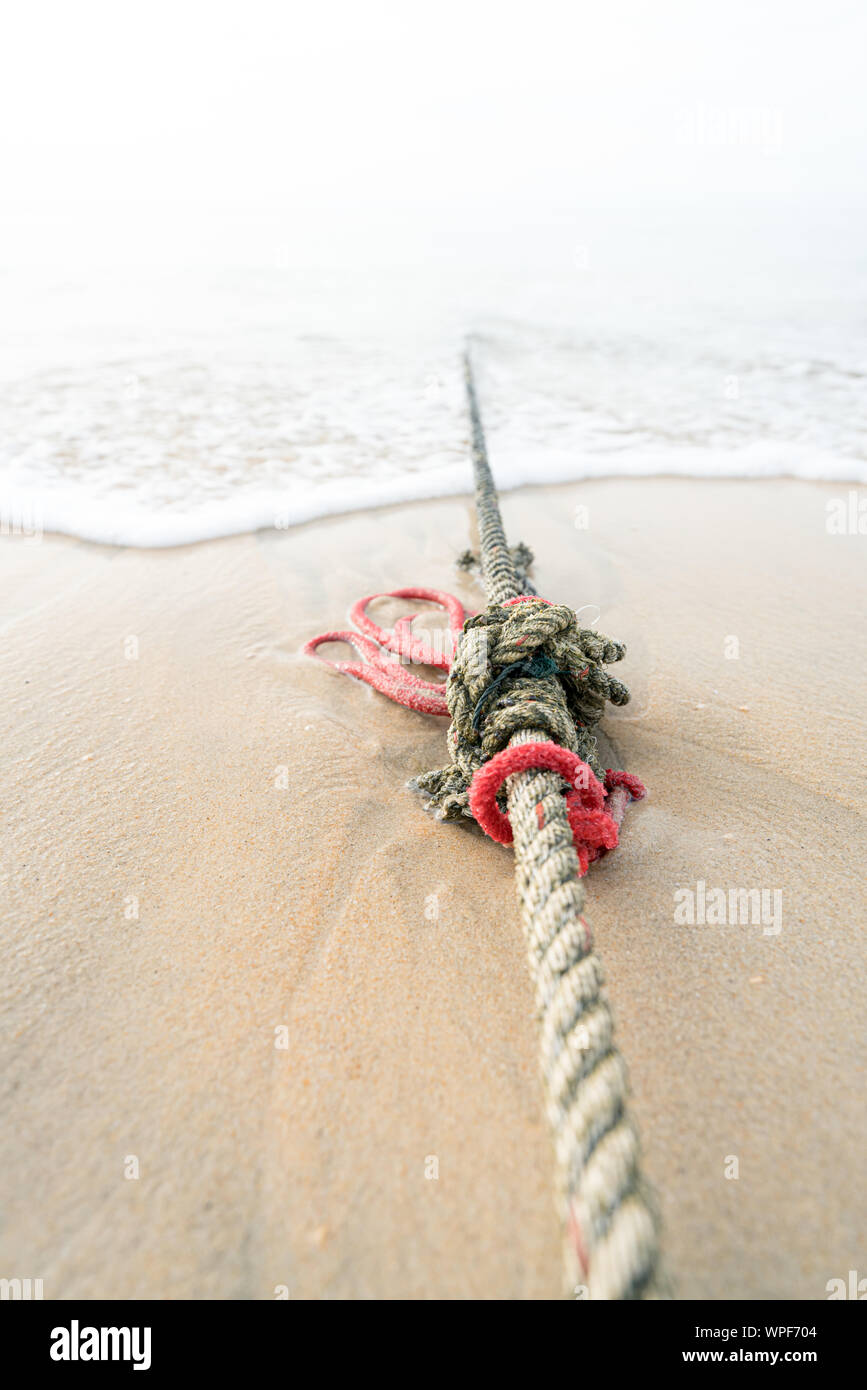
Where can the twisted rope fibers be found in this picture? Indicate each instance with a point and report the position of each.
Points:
(607, 1212)
(526, 687)
(611, 1247)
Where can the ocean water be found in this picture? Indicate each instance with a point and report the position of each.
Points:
(226, 385)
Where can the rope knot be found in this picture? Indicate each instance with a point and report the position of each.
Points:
(538, 666)
(525, 663)
(522, 664)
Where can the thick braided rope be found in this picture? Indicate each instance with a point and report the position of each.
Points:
(610, 1230)
(498, 566)
(520, 639)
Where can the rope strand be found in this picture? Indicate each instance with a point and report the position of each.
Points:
(610, 1228)
(498, 568)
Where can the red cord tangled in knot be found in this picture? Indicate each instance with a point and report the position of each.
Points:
(595, 812)
(384, 648)
(594, 817)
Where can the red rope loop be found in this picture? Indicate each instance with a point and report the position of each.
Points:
(633, 784)
(594, 829)
(401, 639)
(382, 649)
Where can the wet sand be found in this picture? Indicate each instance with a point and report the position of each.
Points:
(242, 962)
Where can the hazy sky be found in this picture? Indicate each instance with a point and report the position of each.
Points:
(376, 103)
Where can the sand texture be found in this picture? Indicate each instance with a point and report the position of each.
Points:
(208, 840)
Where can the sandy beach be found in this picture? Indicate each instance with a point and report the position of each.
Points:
(253, 990)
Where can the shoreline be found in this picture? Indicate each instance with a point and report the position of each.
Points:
(22, 514)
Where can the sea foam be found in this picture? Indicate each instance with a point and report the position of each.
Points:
(251, 403)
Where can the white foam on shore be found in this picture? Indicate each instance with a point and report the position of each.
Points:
(182, 407)
(29, 512)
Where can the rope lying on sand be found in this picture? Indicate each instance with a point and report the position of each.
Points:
(525, 688)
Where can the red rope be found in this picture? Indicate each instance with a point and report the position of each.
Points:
(595, 829)
(401, 639)
(386, 673)
(526, 598)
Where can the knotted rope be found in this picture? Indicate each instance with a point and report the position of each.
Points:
(470, 787)
(525, 689)
(550, 675)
